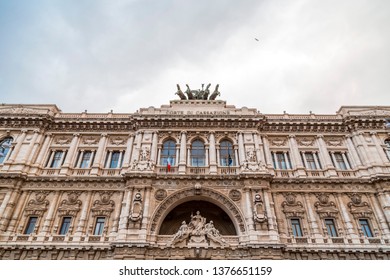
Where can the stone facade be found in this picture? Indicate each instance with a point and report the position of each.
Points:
(196, 179)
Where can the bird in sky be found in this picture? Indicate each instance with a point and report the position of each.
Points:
(257, 39)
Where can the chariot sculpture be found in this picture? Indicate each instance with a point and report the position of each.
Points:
(200, 94)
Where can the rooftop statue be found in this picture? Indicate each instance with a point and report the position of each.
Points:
(200, 94)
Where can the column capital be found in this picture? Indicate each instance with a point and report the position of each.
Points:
(76, 134)
(183, 132)
(24, 130)
(320, 136)
(291, 136)
(373, 133)
(104, 134)
(37, 130)
(131, 134)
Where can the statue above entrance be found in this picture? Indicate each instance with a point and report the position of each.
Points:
(198, 232)
(200, 94)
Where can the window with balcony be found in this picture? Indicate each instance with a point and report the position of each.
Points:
(311, 160)
(226, 154)
(387, 148)
(168, 153)
(85, 159)
(114, 159)
(30, 225)
(296, 228)
(365, 226)
(5, 146)
(99, 226)
(331, 228)
(56, 159)
(65, 225)
(281, 160)
(340, 160)
(198, 154)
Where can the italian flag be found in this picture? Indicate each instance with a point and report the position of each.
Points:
(169, 164)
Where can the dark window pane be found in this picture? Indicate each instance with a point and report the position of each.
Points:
(5, 147)
(30, 225)
(168, 153)
(296, 227)
(330, 227)
(56, 159)
(65, 225)
(226, 154)
(99, 226)
(197, 153)
(86, 159)
(365, 227)
(115, 159)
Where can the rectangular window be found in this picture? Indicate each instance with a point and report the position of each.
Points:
(331, 228)
(56, 161)
(30, 225)
(281, 160)
(86, 159)
(365, 227)
(99, 226)
(311, 164)
(114, 163)
(65, 225)
(296, 228)
(340, 160)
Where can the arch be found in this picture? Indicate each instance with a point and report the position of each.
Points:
(198, 153)
(226, 153)
(168, 152)
(196, 194)
(5, 146)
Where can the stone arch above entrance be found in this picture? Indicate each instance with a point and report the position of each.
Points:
(196, 194)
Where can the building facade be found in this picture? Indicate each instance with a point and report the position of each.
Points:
(195, 179)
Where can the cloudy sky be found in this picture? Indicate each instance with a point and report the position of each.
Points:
(126, 54)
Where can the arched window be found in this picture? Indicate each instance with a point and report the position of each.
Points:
(5, 146)
(226, 154)
(387, 148)
(197, 153)
(168, 153)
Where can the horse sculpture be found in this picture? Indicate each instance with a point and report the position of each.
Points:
(215, 93)
(206, 92)
(180, 93)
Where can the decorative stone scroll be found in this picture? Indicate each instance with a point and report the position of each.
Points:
(358, 208)
(70, 206)
(291, 207)
(104, 206)
(259, 214)
(324, 207)
(37, 206)
(198, 233)
(136, 208)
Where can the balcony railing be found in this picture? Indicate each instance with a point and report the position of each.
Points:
(284, 173)
(50, 171)
(346, 173)
(81, 171)
(111, 172)
(198, 170)
(228, 170)
(164, 170)
(315, 173)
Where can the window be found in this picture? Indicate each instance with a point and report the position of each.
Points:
(99, 226)
(331, 228)
(365, 227)
(30, 225)
(114, 159)
(168, 153)
(387, 148)
(281, 160)
(340, 160)
(85, 159)
(311, 160)
(65, 225)
(5, 146)
(197, 153)
(226, 153)
(56, 159)
(296, 228)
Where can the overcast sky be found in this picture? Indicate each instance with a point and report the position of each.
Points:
(127, 54)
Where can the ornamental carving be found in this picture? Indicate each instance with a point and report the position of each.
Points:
(324, 207)
(235, 195)
(250, 163)
(62, 140)
(104, 206)
(71, 205)
(144, 163)
(90, 140)
(358, 208)
(334, 141)
(160, 194)
(291, 207)
(306, 141)
(117, 141)
(206, 192)
(39, 205)
(136, 208)
(259, 214)
(278, 142)
(198, 233)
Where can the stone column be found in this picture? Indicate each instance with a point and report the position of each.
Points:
(153, 152)
(384, 199)
(241, 149)
(97, 163)
(380, 215)
(44, 150)
(350, 233)
(19, 143)
(84, 214)
(353, 152)
(18, 204)
(145, 213)
(382, 158)
(259, 155)
(182, 158)
(295, 156)
(116, 217)
(32, 147)
(71, 154)
(267, 152)
(365, 148)
(249, 209)
(49, 218)
(129, 147)
(138, 143)
(270, 215)
(212, 153)
(5, 203)
(311, 218)
(345, 160)
(327, 162)
(125, 211)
